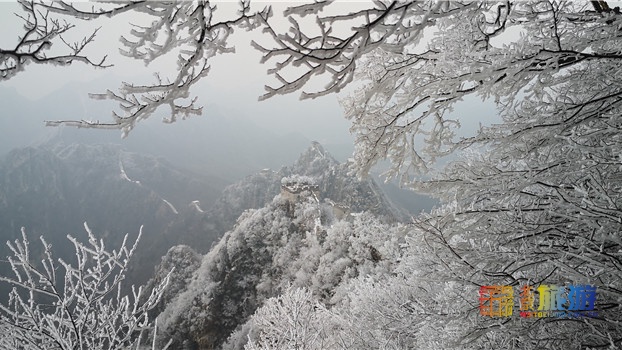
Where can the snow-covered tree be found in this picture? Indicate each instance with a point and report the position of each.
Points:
(293, 320)
(55, 304)
(416, 60)
(542, 207)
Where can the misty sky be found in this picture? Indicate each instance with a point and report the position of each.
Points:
(231, 90)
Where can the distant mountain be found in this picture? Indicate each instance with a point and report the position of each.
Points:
(52, 190)
(223, 146)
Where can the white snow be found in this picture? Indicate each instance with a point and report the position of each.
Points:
(196, 205)
(170, 206)
(124, 174)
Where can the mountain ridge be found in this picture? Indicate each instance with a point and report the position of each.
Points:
(270, 246)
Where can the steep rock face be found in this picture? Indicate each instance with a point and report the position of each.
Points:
(252, 192)
(336, 183)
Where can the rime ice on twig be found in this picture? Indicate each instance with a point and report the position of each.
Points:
(57, 304)
(186, 29)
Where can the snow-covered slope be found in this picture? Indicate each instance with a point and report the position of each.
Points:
(301, 239)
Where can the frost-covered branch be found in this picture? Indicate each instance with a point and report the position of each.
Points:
(293, 321)
(42, 30)
(385, 26)
(188, 29)
(55, 304)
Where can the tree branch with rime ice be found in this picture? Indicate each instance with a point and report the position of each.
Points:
(187, 29)
(59, 305)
